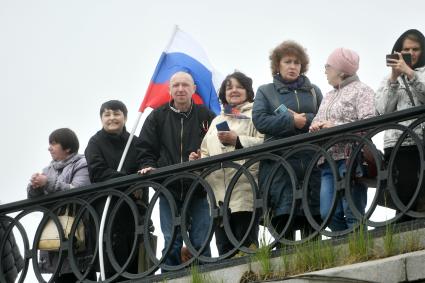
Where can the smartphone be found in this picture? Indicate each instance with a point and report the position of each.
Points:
(281, 109)
(223, 126)
(407, 57)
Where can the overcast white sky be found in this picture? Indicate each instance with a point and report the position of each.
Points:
(59, 60)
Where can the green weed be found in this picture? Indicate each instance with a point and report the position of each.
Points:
(360, 244)
(391, 241)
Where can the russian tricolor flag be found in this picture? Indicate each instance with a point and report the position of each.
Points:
(183, 53)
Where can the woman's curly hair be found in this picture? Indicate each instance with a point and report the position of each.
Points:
(288, 47)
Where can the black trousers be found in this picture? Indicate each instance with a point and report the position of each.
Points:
(298, 223)
(239, 222)
(405, 173)
(121, 237)
(71, 278)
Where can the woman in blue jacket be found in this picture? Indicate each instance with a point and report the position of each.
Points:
(285, 108)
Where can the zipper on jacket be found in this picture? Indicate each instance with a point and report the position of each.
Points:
(181, 140)
(298, 101)
(327, 110)
(181, 154)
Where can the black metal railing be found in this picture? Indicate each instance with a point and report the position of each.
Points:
(195, 174)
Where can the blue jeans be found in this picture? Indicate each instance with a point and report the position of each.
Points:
(343, 217)
(198, 228)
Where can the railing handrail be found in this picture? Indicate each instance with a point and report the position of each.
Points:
(398, 116)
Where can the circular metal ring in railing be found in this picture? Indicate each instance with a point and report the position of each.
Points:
(9, 233)
(319, 153)
(145, 185)
(161, 190)
(279, 162)
(361, 143)
(221, 211)
(239, 170)
(257, 204)
(196, 253)
(120, 270)
(49, 213)
(403, 209)
(84, 205)
(342, 186)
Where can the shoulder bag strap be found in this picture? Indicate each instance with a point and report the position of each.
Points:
(313, 92)
(271, 97)
(409, 92)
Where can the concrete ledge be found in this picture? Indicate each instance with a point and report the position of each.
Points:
(401, 268)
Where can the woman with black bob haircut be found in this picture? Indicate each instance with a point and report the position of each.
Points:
(231, 130)
(282, 109)
(66, 171)
(113, 105)
(103, 153)
(66, 138)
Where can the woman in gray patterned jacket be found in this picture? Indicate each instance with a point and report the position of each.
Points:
(404, 88)
(349, 101)
(67, 170)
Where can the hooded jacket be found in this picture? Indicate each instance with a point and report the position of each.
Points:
(391, 97)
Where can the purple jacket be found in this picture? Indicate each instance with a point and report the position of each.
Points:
(63, 175)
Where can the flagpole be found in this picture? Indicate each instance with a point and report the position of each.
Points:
(108, 200)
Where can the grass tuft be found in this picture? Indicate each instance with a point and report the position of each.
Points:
(391, 241)
(198, 277)
(412, 242)
(360, 245)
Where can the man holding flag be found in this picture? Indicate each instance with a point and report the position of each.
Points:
(169, 134)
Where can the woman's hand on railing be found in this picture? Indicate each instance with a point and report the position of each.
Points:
(318, 125)
(195, 155)
(145, 170)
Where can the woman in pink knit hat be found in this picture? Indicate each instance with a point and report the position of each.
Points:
(349, 101)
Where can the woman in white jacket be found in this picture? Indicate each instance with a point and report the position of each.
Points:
(236, 95)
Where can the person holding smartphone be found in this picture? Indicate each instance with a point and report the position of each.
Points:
(403, 88)
(282, 109)
(231, 130)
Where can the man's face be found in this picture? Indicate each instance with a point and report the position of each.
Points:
(412, 47)
(182, 88)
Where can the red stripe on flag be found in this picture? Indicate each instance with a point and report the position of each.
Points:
(156, 95)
